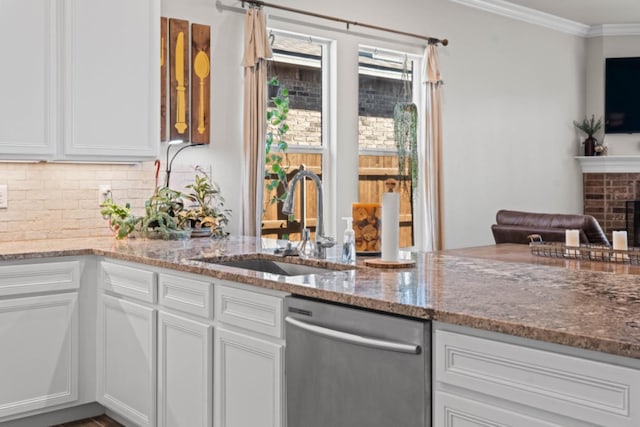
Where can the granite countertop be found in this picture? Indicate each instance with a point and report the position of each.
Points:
(500, 288)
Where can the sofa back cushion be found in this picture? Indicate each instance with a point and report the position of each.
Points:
(515, 226)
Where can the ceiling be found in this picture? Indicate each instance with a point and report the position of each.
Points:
(589, 12)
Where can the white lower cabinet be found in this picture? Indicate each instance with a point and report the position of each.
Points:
(127, 359)
(39, 356)
(489, 379)
(249, 380)
(185, 367)
(39, 337)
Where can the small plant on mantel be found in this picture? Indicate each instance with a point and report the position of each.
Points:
(590, 127)
(276, 163)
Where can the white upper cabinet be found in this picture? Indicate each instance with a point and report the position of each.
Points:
(28, 99)
(80, 80)
(112, 72)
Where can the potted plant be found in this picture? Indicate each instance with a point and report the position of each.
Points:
(162, 211)
(207, 215)
(120, 218)
(590, 127)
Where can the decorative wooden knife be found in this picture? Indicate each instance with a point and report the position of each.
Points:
(181, 106)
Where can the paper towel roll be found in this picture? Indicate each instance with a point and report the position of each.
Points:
(390, 226)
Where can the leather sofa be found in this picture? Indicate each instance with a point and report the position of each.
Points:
(515, 226)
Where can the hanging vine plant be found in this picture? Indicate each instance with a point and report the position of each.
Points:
(277, 162)
(405, 118)
(405, 123)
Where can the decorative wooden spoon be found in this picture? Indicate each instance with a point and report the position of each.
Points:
(201, 65)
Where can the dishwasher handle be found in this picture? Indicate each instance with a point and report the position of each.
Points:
(355, 339)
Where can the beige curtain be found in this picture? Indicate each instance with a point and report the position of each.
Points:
(257, 48)
(431, 209)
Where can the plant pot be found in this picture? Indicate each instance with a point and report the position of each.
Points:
(201, 232)
(589, 146)
(273, 92)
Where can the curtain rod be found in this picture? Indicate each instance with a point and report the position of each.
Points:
(430, 40)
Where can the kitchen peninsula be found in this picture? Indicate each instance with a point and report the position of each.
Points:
(563, 304)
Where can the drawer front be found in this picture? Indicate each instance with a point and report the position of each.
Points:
(250, 310)
(583, 389)
(185, 294)
(129, 281)
(454, 411)
(41, 277)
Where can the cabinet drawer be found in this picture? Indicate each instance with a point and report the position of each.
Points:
(185, 294)
(250, 310)
(44, 277)
(583, 389)
(453, 411)
(129, 281)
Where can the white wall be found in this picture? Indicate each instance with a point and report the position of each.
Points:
(511, 93)
(600, 48)
(224, 154)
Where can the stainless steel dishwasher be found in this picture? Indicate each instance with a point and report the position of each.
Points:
(348, 367)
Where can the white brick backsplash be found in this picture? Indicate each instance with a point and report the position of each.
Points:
(53, 200)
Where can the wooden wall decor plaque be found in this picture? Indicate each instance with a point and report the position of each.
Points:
(164, 59)
(200, 83)
(179, 79)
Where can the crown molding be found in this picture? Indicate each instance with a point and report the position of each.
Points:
(608, 30)
(531, 16)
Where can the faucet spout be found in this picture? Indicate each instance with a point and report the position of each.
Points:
(322, 241)
(288, 204)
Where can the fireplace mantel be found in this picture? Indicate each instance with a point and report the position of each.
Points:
(609, 164)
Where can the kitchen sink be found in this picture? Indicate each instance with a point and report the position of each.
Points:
(272, 266)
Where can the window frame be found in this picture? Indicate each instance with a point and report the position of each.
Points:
(327, 116)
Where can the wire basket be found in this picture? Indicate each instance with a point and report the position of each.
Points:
(585, 252)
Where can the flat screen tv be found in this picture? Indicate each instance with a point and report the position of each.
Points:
(622, 95)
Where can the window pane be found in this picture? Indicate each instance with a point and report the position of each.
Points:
(297, 65)
(384, 81)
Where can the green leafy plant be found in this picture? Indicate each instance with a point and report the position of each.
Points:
(208, 206)
(120, 218)
(589, 126)
(161, 211)
(276, 162)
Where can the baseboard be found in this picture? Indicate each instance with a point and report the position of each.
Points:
(60, 416)
(119, 418)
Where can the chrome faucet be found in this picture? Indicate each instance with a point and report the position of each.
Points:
(322, 242)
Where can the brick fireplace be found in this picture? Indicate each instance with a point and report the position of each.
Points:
(605, 197)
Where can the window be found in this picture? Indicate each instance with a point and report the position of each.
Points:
(299, 66)
(385, 78)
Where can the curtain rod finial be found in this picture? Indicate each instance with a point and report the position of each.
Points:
(433, 40)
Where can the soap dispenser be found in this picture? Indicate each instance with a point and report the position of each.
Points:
(349, 243)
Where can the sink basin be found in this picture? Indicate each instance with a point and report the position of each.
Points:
(265, 265)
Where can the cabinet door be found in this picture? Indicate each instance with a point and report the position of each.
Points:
(248, 381)
(29, 79)
(454, 411)
(185, 374)
(39, 352)
(127, 359)
(112, 67)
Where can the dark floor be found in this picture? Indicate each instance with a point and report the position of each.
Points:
(101, 421)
